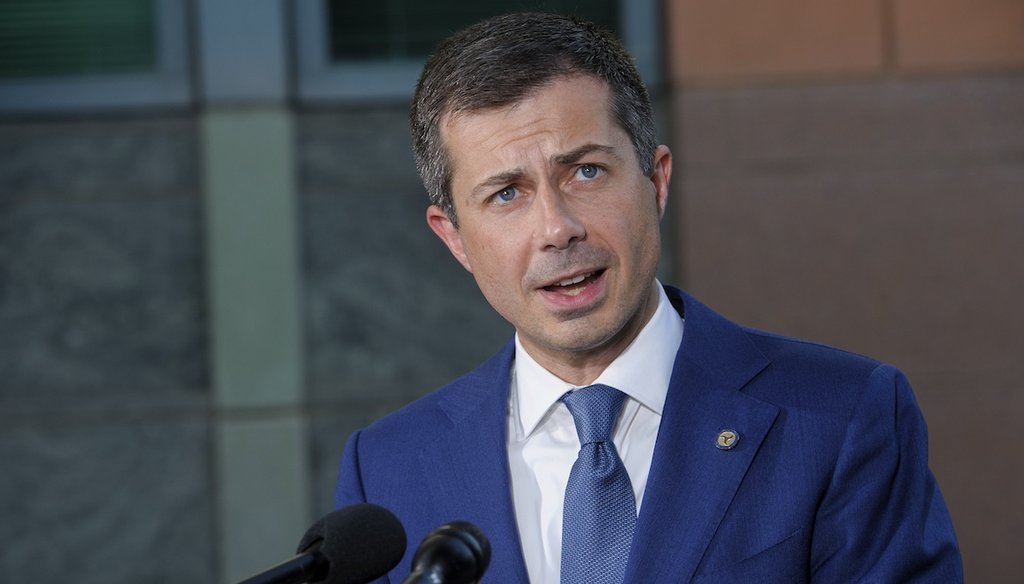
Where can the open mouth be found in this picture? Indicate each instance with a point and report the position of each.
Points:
(575, 285)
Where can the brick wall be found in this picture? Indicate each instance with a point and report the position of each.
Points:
(853, 172)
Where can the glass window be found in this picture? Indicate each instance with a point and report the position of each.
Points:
(351, 50)
(45, 38)
(402, 29)
(86, 54)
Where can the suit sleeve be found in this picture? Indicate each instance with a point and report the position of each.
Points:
(883, 518)
(349, 489)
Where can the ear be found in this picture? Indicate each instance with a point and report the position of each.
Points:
(661, 173)
(443, 227)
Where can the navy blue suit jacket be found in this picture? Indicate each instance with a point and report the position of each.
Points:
(828, 483)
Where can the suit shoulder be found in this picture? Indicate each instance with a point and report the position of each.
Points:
(785, 349)
(817, 376)
(419, 419)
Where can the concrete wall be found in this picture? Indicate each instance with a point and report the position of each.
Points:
(104, 425)
(853, 172)
(388, 313)
(123, 460)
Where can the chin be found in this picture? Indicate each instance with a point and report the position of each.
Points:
(587, 337)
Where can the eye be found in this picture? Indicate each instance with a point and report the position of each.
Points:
(588, 171)
(506, 194)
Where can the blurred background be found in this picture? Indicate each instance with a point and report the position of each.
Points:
(214, 263)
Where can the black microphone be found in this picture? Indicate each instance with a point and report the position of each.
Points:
(455, 553)
(353, 545)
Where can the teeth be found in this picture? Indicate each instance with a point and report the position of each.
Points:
(576, 280)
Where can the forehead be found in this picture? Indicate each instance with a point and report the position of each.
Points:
(565, 109)
(583, 85)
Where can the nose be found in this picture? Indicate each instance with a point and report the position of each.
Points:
(560, 226)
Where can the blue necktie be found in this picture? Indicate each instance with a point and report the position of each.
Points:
(600, 510)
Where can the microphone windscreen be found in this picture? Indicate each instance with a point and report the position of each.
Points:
(474, 540)
(455, 553)
(361, 542)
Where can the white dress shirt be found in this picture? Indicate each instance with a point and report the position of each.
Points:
(542, 441)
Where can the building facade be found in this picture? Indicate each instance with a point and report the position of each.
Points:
(214, 263)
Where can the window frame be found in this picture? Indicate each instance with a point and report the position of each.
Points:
(168, 85)
(319, 80)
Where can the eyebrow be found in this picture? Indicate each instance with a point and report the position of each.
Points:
(567, 158)
(497, 180)
(574, 156)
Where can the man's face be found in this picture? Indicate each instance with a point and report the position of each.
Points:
(557, 222)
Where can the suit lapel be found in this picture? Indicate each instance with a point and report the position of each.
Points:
(692, 482)
(467, 473)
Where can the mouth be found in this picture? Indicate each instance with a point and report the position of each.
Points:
(575, 285)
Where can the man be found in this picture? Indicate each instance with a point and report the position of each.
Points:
(732, 455)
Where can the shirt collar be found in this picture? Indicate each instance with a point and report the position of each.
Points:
(652, 352)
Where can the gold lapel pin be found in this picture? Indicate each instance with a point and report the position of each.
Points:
(727, 439)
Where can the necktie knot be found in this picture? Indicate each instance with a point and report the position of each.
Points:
(594, 410)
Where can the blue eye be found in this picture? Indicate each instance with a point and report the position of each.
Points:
(588, 171)
(506, 194)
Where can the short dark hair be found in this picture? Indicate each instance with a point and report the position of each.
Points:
(501, 61)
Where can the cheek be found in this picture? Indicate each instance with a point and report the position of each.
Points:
(638, 229)
(647, 212)
(494, 260)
